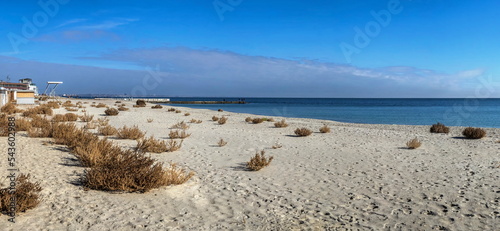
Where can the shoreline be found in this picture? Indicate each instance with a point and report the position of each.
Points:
(359, 176)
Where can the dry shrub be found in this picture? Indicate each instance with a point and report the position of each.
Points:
(103, 121)
(151, 145)
(173, 145)
(222, 120)
(132, 172)
(474, 133)
(281, 124)
(180, 125)
(53, 104)
(199, 121)
(259, 161)
(277, 145)
(71, 109)
(86, 117)
(107, 130)
(23, 124)
(178, 135)
(27, 195)
(220, 110)
(187, 114)
(111, 112)
(132, 133)
(413, 144)
(195, 121)
(248, 119)
(135, 105)
(140, 103)
(215, 118)
(90, 125)
(118, 102)
(100, 105)
(71, 117)
(157, 106)
(42, 131)
(39, 122)
(10, 108)
(172, 109)
(150, 120)
(66, 134)
(122, 108)
(96, 152)
(325, 129)
(270, 120)
(303, 132)
(222, 143)
(178, 111)
(39, 110)
(68, 104)
(258, 120)
(58, 118)
(439, 128)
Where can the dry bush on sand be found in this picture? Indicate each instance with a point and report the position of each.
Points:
(187, 114)
(22, 124)
(325, 129)
(178, 135)
(474, 133)
(281, 124)
(111, 112)
(140, 103)
(413, 144)
(157, 106)
(258, 120)
(26, 196)
(303, 132)
(172, 109)
(71, 117)
(277, 145)
(222, 143)
(259, 161)
(220, 110)
(71, 109)
(132, 133)
(151, 145)
(100, 105)
(178, 111)
(222, 120)
(90, 125)
(68, 104)
(150, 120)
(103, 121)
(53, 104)
(122, 108)
(215, 118)
(86, 117)
(439, 128)
(58, 118)
(10, 108)
(39, 110)
(107, 130)
(132, 172)
(180, 125)
(248, 119)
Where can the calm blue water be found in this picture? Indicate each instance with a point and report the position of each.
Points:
(451, 112)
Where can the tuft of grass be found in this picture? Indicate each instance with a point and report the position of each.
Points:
(157, 106)
(222, 143)
(474, 133)
(27, 195)
(132, 133)
(86, 117)
(90, 125)
(215, 118)
(122, 108)
(303, 132)
(71, 117)
(178, 111)
(248, 119)
(172, 109)
(259, 161)
(173, 145)
(151, 145)
(53, 104)
(187, 114)
(220, 110)
(258, 120)
(175, 134)
(222, 120)
(39, 110)
(413, 144)
(23, 124)
(180, 125)
(10, 108)
(111, 112)
(58, 118)
(140, 103)
(68, 104)
(107, 130)
(277, 145)
(71, 109)
(281, 124)
(325, 129)
(150, 120)
(439, 128)
(118, 101)
(100, 105)
(195, 121)
(103, 121)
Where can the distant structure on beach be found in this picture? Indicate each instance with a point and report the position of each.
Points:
(23, 92)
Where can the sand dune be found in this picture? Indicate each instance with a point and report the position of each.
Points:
(358, 176)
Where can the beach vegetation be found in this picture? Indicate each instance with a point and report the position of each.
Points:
(150, 120)
(325, 129)
(222, 143)
(259, 161)
(222, 120)
(215, 118)
(111, 112)
(122, 108)
(180, 125)
(132, 133)
(10, 108)
(157, 106)
(86, 117)
(281, 124)
(303, 132)
(107, 130)
(71, 117)
(439, 128)
(26, 195)
(140, 103)
(175, 134)
(413, 144)
(100, 105)
(474, 133)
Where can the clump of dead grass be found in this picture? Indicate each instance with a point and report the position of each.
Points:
(132, 133)
(281, 124)
(111, 112)
(439, 128)
(107, 130)
(140, 103)
(180, 125)
(325, 129)
(222, 120)
(100, 105)
(86, 117)
(215, 118)
(175, 134)
(122, 108)
(157, 106)
(150, 120)
(27, 195)
(303, 132)
(10, 108)
(413, 144)
(259, 161)
(222, 143)
(474, 133)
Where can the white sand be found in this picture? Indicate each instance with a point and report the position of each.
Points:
(357, 177)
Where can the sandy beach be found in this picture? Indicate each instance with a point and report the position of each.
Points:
(358, 177)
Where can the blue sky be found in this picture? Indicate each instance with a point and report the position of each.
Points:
(243, 48)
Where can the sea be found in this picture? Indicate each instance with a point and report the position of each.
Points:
(474, 112)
